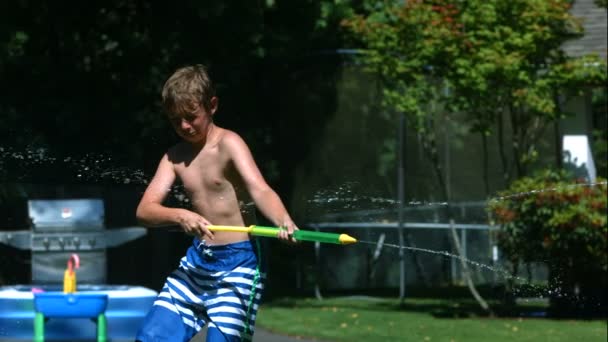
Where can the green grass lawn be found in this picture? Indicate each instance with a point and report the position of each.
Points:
(374, 319)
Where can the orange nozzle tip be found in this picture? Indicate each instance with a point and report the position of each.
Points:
(73, 262)
(346, 239)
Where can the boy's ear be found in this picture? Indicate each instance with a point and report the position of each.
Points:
(214, 103)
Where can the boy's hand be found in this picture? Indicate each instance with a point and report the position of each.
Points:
(194, 224)
(286, 231)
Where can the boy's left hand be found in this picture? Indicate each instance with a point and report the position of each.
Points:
(286, 232)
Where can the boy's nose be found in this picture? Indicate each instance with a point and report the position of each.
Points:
(184, 124)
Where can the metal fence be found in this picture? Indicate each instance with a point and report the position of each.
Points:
(430, 256)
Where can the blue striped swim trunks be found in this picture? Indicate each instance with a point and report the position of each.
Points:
(216, 285)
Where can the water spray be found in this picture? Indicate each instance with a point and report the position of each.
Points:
(299, 235)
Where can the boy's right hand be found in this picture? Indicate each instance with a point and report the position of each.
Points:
(194, 224)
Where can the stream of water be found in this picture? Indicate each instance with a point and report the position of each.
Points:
(501, 271)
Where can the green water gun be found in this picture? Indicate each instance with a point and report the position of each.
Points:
(299, 235)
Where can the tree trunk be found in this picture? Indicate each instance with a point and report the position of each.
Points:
(433, 155)
(486, 178)
(466, 274)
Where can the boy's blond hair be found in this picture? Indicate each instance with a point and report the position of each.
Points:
(188, 88)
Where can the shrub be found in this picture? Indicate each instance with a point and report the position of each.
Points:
(553, 218)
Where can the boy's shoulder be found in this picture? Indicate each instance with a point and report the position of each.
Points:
(178, 153)
(231, 138)
(232, 143)
(178, 148)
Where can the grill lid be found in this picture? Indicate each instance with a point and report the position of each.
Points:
(66, 214)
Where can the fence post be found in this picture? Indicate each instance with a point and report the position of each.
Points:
(401, 195)
(318, 268)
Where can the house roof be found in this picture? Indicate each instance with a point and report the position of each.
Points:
(595, 25)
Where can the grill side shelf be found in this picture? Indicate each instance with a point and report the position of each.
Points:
(17, 239)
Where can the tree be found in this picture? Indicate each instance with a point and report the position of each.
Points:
(498, 62)
(501, 63)
(69, 67)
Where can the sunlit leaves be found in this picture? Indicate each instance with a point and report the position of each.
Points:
(500, 58)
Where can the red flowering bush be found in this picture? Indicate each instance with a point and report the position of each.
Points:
(555, 219)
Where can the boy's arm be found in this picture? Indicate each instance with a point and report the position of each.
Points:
(265, 198)
(152, 213)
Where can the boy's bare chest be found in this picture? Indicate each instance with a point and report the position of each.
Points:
(207, 171)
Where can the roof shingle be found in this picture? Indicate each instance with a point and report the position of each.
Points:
(595, 24)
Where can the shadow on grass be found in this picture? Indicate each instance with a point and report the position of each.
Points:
(452, 302)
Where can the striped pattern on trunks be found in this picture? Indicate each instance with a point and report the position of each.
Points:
(213, 284)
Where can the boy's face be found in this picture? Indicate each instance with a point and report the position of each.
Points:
(193, 125)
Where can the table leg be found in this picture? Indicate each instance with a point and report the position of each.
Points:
(101, 328)
(39, 327)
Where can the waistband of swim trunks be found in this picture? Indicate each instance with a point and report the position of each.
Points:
(246, 244)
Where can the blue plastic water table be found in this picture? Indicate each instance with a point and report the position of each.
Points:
(70, 305)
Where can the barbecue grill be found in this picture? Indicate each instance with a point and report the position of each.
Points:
(62, 227)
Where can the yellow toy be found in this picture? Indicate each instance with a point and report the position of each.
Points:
(69, 276)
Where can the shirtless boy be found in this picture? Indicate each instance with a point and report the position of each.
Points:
(218, 282)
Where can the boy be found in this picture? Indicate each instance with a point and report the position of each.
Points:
(218, 281)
